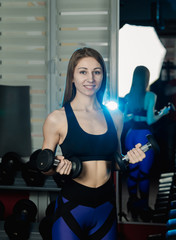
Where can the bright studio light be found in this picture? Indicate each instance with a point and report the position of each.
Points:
(138, 45)
(111, 105)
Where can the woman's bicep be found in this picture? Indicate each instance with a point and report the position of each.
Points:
(151, 102)
(119, 121)
(50, 134)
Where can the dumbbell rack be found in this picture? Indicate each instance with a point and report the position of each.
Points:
(19, 184)
(164, 197)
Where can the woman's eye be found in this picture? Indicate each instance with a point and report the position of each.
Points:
(97, 72)
(83, 72)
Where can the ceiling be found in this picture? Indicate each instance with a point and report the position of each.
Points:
(160, 14)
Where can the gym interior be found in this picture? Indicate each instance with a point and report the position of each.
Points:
(37, 37)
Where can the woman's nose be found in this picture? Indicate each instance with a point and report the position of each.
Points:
(91, 77)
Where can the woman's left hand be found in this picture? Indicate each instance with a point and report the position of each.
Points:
(136, 154)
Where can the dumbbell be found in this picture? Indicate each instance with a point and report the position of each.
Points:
(31, 175)
(123, 161)
(46, 160)
(170, 107)
(9, 165)
(45, 225)
(18, 225)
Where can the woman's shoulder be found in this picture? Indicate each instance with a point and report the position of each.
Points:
(150, 93)
(56, 117)
(150, 96)
(117, 117)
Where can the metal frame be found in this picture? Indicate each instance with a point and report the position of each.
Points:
(52, 91)
(114, 30)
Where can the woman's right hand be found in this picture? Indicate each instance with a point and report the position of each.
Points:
(64, 167)
(165, 111)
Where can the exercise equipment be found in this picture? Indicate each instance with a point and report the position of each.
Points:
(165, 195)
(123, 161)
(18, 225)
(45, 225)
(31, 175)
(9, 165)
(46, 160)
(170, 107)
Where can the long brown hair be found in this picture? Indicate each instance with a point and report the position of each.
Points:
(70, 90)
(137, 92)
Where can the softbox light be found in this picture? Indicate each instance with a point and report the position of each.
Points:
(138, 45)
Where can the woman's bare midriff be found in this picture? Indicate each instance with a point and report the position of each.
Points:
(94, 173)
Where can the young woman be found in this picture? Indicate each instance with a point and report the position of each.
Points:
(141, 109)
(85, 208)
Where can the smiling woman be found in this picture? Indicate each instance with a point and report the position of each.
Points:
(70, 89)
(88, 76)
(84, 128)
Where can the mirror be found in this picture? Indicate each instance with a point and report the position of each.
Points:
(161, 15)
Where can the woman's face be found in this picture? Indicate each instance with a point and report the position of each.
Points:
(88, 76)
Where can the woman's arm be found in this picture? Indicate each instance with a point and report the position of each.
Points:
(150, 102)
(135, 154)
(51, 136)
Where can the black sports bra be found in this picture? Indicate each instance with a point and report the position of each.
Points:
(87, 146)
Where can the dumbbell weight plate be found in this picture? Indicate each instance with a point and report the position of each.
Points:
(76, 167)
(31, 175)
(7, 176)
(26, 207)
(9, 165)
(123, 164)
(50, 208)
(11, 160)
(16, 228)
(154, 144)
(45, 160)
(45, 227)
(171, 106)
(33, 158)
(18, 225)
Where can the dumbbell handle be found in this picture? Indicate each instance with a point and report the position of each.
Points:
(46, 160)
(170, 107)
(123, 161)
(144, 148)
(56, 162)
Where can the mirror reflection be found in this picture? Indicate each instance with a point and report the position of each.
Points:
(149, 108)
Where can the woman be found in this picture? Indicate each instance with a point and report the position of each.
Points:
(141, 109)
(85, 208)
